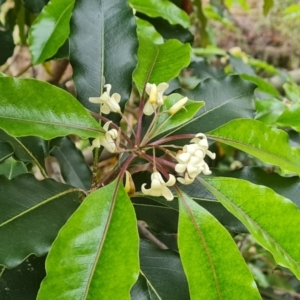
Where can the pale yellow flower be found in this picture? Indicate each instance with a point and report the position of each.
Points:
(178, 105)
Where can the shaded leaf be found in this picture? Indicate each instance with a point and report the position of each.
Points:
(23, 282)
(165, 9)
(225, 99)
(32, 212)
(204, 70)
(50, 30)
(12, 168)
(268, 144)
(48, 113)
(35, 6)
(91, 251)
(6, 151)
(74, 169)
(202, 240)
(28, 149)
(7, 45)
(264, 214)
(240, 67)
(160, 63)
(144, 28)
(142, 290)
(290, 117)
(105, 32)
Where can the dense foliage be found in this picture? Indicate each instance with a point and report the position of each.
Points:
(192, 189)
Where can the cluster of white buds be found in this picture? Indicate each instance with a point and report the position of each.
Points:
(107, 141)
(159, 186)
(191, 159)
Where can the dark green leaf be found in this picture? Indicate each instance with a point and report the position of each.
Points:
(50, 30)
(240, 67)
(202, 240)
(105, 33)
(28, 149)
(31, 107)
(6, 151)
(142, 290)
(163, 272)
(225, 99)
(7, 45)
(35, 6)
(204, 70)
(160, 63)
(12, 168)
(22, 282)
(164, 9)
(91, 251)
(270, 145)
(264, 214)
(74, 169)
(32, 212)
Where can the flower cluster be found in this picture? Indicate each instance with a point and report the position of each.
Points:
(191, 159)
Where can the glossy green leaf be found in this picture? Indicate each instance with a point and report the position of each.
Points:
(28, 149)
(268, 144)
(264, 213)
(203, 70)
(240, 67)
(142, 290)
(267, 6)
(35, 6)
(262, 85)
(166, 121)
(22, 282)
(12, 168)
(7, 45)
(32, 212)
(31, 107)
(212, 273)
(6, 151)
(103, 46)
(74, 169)
(50, 30)
(227, 98)
(163, 274)
(160, 63)
(91, 252)
(290, 117)
(164, 8)
(144, 28)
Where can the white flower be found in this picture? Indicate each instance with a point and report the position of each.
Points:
(107, 141)
(191, 159)
(108, 103)
(159, 186)
(155, 97)
(178, 105)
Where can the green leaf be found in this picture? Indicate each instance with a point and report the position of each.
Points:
(91, 252)
(22, 282)
(204, 70)
(165, 9)
(290, 117)
(6, 151)
(50, 30)
(144, 28)
(105, 33)
(31, 107)
(74, 169)
(163, 273)
(160, 63)
(270, 145)
(166, 121)
(12, 168)
(28, 149)
(202, 240)
(32, 212)
(262, 85)
(267, 5)
(142, 290)
(264, 213)
(227, 98)
(35, 6)
(7, 45)
(240, 66)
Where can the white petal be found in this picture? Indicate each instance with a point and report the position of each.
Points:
(178, 105)
(106, 125)
(116, 97)
(210, 154)
(183, 157)
(191, 148)
(96, 143)
(162, 87)
(167, 193)
(108, 88)
(144, 190)
(180, 168)
(149, 109)
(95, 100)
(171, 181)
(105, 109)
